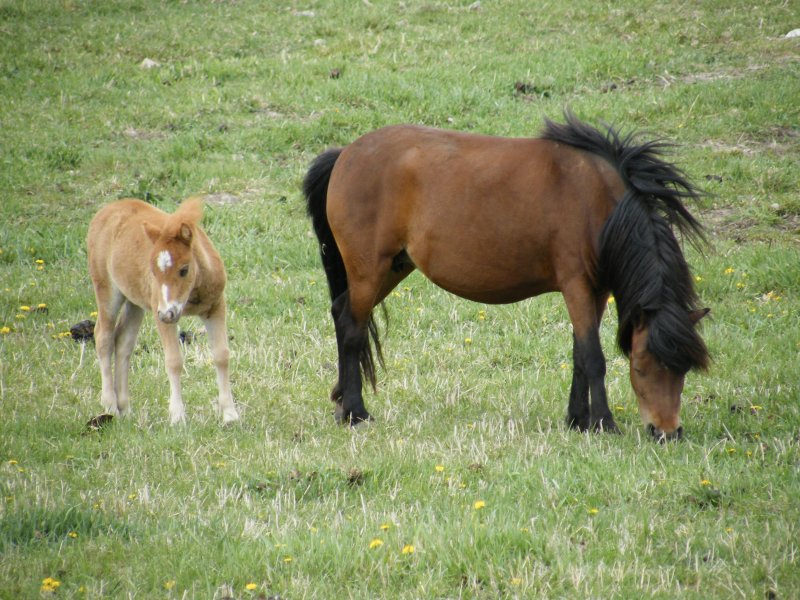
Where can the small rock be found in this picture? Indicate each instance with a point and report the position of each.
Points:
(149, 63)
(793, 33)
(83, 331)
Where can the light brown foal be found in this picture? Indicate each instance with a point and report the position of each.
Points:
(141, 258)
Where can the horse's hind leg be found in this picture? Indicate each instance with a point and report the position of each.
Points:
(352, 335)
(352, 341)
(124, 340)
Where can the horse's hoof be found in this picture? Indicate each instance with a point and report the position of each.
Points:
(338, 414)
(578, 423)
(606, 425)
(360, 422)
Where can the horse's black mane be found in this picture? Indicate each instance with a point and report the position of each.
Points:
(640, 260)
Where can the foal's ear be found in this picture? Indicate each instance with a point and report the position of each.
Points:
(696, 315)
(185, 234)
(152, 231)
(191, 209)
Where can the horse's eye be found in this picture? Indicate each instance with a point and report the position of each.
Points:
(184, 271)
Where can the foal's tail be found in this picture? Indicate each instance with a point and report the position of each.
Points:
(315, 189)
(640, 260)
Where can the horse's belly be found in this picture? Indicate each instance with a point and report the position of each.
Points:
(488, 278)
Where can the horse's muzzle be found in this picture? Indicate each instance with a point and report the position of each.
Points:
(662, 437)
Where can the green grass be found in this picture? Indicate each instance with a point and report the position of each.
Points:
(240, 102)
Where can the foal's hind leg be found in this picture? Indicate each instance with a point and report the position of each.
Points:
(109, 302)
(125, 339)
(218, 339)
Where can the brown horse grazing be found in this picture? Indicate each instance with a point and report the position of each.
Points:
(498, 220)
(141, 258)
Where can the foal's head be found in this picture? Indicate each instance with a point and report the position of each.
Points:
(658, 386)
(171, 259)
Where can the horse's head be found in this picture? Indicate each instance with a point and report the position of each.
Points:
(171, 259)
(657, 386)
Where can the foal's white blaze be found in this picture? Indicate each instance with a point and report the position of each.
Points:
(164, 260)
(165, 295)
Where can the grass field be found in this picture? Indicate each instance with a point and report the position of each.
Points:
(468, 485)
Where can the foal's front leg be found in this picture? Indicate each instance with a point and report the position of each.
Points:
(174, 363)
(218, 339)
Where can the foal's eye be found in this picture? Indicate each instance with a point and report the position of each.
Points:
(184, 271)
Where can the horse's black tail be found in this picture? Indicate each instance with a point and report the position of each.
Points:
(640, 259)
(315, 189)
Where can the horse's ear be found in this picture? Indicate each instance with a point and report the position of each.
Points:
(696, 315)
(152, 231)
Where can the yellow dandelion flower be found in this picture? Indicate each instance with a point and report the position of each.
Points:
(13, 461)
(705, 482)
(72, 534)
(730, 270)
(479, 504)
(93, 313)
(467, 341)
(287, 559)
(439, 468)
(168, 585)
(730, 450)
(611, 300)
(698, 279)
(385, 526)
(593, 511)
(728, 529)
(516, 581)
(25, 308)
(5, 329)
(39, 261)
(50, 585)
(408, 549)
(41, 305)
(251, 586)
(524, 529)
(131, 496)
(376, 543)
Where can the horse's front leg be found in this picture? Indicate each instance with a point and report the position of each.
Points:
(352, 340)
(218, 340)
(578, 408)
(588, 404)
(174, 364)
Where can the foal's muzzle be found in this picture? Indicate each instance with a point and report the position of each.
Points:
(171, 315)
(662, 437)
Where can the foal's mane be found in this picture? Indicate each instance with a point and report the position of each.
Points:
(640, 259)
